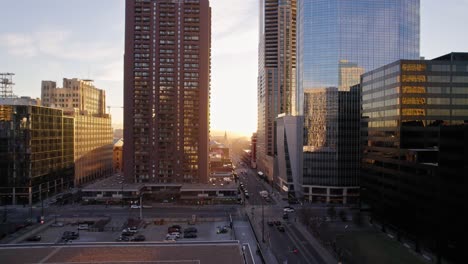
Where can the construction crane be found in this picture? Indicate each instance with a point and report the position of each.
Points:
(6, 85)
(113, 106)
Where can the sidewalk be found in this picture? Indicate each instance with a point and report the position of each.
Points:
(244, 234)
(267, 254)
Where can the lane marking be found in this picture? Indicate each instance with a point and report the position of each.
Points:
(57, 249)
(251, 253)
(297, 243)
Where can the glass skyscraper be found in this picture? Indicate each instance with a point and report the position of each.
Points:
(366, 33)
(337, 41)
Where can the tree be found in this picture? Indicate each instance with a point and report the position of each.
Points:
(343, 216)
(331, 212)
(357, 218)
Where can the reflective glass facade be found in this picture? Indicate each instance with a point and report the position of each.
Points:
(36, 153)
(366, 33)
(416, 146)
(337, 41)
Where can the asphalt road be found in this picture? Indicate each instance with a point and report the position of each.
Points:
(20, 214)
(282, 244)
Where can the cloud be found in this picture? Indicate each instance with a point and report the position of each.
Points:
(112, 71)
(60, 44)
(19, 44)
(235, 27)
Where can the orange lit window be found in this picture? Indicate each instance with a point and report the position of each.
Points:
(413, 67)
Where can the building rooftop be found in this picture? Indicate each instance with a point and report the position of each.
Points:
(228, 252)
(211, 186)
(115, 182)
(24, 100)
(453, 56)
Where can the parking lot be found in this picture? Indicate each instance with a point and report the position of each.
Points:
(206, 231)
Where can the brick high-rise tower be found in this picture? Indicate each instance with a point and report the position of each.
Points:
(166, 90)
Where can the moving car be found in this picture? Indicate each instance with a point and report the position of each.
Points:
(270, 223)
(285, 216)
(288, 210)
(135, 206)
(280, 228)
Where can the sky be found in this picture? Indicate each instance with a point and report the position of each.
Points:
(55, 39)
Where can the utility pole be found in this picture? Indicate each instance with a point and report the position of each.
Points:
(263, 223)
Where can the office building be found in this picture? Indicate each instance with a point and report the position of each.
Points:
(276, 76)
(338, 40)
(84, 102)
(75, 94)
(414, 161)
(36, 151)
(166, 90)
(289, 131)
(331, 146)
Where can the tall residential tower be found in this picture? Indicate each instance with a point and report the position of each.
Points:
(166, 88)
(276, 76)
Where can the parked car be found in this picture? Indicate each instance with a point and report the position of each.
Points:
(83, 227)
(123, 238)
(285, 216)
(127, 233)
(58, 224)
(190, 235)
(277, 223)
(173, 229)
(70, 235)
(221, 230)
(175, 234)
(190, 230)
(270, 223)
(139, 238)
(171, 237)
(280, 228)
(34, 238)
(135, 206)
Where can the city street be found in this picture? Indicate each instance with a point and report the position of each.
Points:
(20, 214)
(290, 246)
